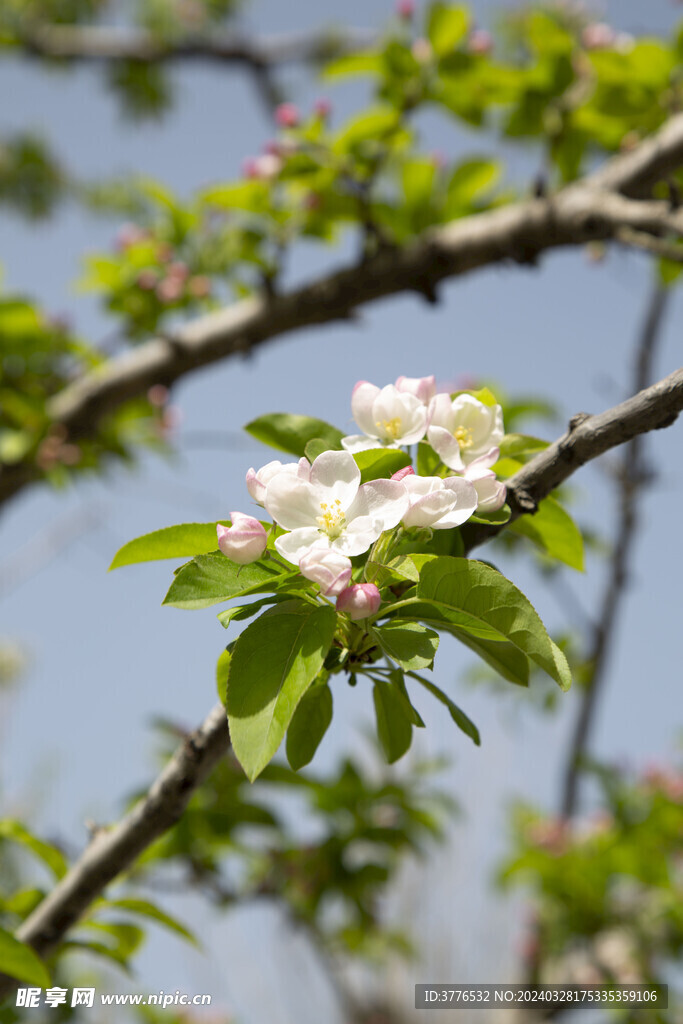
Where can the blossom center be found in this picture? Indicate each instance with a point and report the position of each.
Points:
(332, 519)
(463, 435)
(392, 428)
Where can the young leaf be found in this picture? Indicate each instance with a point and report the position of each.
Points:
(457, 714)
(143, 908)
(291, 433)
(273, 663)
(446, 27)
(243, 611)
(53, 858)
(554, 531)
(478, 600)
(308, 726)
(222, 669)
(209, 579)
(19, 961)
(183, 541)
(394, 727)
(409, 644)
(379, 463)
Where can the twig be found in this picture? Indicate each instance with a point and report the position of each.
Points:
(632, 477)
(517, 233)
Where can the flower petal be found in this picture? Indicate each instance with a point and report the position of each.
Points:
(362, 400)
(335, 475)
(385, 500)
(358, 536)
(445, 446)
(291, 502)
(360, 443)
(293, 546)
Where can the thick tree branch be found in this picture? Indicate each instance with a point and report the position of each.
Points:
(518, 233)
(110, 44)
(114, 850)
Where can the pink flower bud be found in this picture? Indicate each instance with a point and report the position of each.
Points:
(287, 115)
(480, 42)
(129, 234)
(401, 473)
(423, 388)
(598, 36)
(263, 168)
(330, 569)
(405, 9)
(158, 395)
(244, 541)
(147, 280)
(178, 270)
(322, 109)
(359, 601)
(170, 289)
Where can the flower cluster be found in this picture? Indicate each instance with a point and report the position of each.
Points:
(324, 516)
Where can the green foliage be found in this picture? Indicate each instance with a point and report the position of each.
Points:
(19, 961)
(555, 532)
(292, 434)
(273, 663)
(182, 541)
(310, 722)
(210, 579)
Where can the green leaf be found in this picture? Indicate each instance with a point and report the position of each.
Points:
(373, 125)
(457, 714)
(243, 611)
(222, 670)
(274, 661)
(447, 26)
(291, 433)
(353, 65)
(497, 518)
(308, 726)
(144, 908)
(316, 447)
(514, 445)
(394, 727)
(19, 961)
(409, 644)
(469, 180)
(182, 541)
(553, 530)
(53, 858)
(209, 579)
(475, 598)
(380, 463)
(428, 461)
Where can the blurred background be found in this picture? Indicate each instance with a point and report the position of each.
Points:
(102, 660)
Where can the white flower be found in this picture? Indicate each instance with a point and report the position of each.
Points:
(439, 504)
(258, 481)
(332, 510)
(423, 388)
(491, 492)
(388, 417)
(327, 567)
(463, 429)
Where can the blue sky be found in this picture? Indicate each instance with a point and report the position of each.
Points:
(105, 658)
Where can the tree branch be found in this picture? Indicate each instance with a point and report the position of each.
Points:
(632, 477)
(518, 233)
(114, 850)
(109, 44)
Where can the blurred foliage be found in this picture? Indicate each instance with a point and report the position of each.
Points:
(234, 845)
(607, 891)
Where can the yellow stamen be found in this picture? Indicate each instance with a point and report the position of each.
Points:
(332, 521)
(463, 435)
(392, 427)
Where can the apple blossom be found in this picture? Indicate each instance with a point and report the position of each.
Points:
(423, 388)
(244, 541)
(359, 601)
(258, 481)
(330, 569)
(400, 474)
(480, 42)
(388, 417)
(287, 115)
(331, 509)
(437, 503)
(491, 492)
(463, 429)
